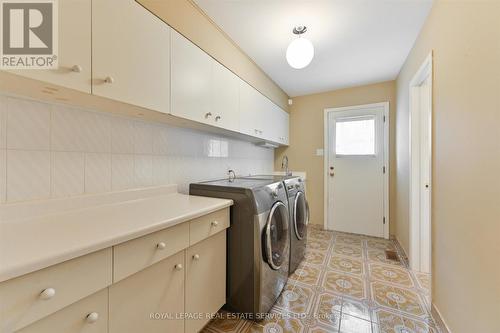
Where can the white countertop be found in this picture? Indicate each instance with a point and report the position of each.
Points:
(34, 243)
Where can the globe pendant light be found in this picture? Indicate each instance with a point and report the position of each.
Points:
(300, 52)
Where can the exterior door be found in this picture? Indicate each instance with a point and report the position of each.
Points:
(356, 170)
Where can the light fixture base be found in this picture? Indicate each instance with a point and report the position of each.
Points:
(300, 29)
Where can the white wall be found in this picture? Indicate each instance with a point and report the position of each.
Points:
(50, 151)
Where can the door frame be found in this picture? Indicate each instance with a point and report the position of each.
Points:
(326, 158)
(416, 251)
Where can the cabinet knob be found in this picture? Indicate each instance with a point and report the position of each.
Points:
(217, 118)
(76, 69)
(109, 79)
(178, 267)
(196, 257)
(92, 317)
(215, 223)
(208, 115)
(47, 293)
(161, 245)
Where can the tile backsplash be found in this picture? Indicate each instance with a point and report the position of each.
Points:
(53, 151)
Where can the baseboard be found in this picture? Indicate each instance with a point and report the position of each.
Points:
(439, 319)
(401, 250)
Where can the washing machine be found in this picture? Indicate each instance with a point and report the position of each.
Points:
(298, 215)
(299, 218)
(258, 241)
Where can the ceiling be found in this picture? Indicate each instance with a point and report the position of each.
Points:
(356, 42)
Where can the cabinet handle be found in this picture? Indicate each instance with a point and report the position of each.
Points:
(217, 118)
(76, 69)
(109, 79)
(161, 245)
(47, 293)
(92, 317)
(196, 257)
(208, 115)
(215, 223)
(178, 267)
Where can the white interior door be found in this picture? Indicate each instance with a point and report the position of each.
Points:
(356, 170)
(422, 94)
(420, 91)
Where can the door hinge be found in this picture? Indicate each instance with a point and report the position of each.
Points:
(383, 169)
(384, 220)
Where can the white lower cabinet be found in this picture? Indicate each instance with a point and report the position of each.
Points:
(205, 280)
(151, 300)
(178, 289)
(89, 315)
(177, 294)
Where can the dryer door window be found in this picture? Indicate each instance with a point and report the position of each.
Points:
(276, 235)
(300, 215)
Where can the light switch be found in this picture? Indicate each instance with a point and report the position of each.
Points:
(319, 152)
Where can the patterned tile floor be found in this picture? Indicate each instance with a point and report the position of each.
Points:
(345, 284)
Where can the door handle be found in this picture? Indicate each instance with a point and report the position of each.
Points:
(332, 174)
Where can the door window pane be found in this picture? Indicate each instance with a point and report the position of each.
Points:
(355, 136)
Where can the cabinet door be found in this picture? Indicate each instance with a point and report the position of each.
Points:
(151, 300)
(251, 111)
(89, 315)
(191, 81)
(74, 48)
(205, 279)
(225, 97)
(285, 130)
(130, 54)
(271, 121)
(280, 124)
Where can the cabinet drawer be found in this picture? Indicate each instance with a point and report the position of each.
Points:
(30, 297)
(208, 225)
(137, 254)
(89, 315)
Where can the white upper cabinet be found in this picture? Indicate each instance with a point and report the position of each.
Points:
(225, 97)
(252, 111)
(260, 117)
(280, 121)
(191, 81)
(202, 89)
(130, 54)
(74, 48)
